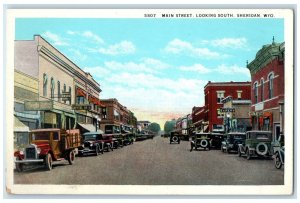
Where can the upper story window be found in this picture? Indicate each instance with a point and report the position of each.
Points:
(239, 94)
(65, 89)
(52, 88)
(45, 82)
(255, 92)
(70, 92)
(220, 96)
(262, 89)
(58, 90)
(271, 85)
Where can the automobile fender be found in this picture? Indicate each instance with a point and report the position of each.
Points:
(242, 148)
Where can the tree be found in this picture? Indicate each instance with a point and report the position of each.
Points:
(154, 127)
(169, 126)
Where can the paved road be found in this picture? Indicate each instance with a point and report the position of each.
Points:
(156, 162)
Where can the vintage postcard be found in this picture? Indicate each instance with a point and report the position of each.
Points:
(149, 101)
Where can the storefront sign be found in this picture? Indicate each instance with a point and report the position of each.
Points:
(65, 96)
(87, 107)
(227, 110)
(38, 105)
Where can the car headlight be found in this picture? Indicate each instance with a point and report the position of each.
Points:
(38, 150)
(21, 152)
(91, 145)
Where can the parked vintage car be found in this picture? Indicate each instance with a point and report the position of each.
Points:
(108, 142)
(92, 142)
(115, 131)
(175, 137)
(47, 146)
(128, 139)
(232, 140)
(200, 140)
(257, 143)
(215, 140)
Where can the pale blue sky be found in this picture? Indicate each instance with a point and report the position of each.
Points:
(157, 66)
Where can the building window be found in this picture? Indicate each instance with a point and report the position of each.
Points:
(52, 88)
(58, 90)
(70, 92)
(79, 100)
(45, 82)
(271, 79)
(255, 93)
(219, 114)
(262, 89)
(220, 96)
(65, 89)
(239, 94)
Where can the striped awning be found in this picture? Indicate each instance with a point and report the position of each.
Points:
(19, 126)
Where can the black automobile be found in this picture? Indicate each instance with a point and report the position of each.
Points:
(200, 140)
(92, 143)
(232, 141)
(216, 140)
(175, 138)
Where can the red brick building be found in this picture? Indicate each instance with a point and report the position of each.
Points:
(267, 81)
(214, 94)
(198, 118)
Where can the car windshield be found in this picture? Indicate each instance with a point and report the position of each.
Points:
(262, 136)
(40, 135)
(238, 136)
(90, 137)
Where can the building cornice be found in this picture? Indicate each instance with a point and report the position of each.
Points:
(61, 62)
(265, 55)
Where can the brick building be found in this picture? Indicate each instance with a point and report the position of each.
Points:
(198, 118)
(117, 114)
(267, 81)
(214, 94)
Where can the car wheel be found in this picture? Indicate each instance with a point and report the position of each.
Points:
(239, 152)
(19, 166)
(248, 154)
(48, 162)
(277, 160)
(97, 149)
(71, 157)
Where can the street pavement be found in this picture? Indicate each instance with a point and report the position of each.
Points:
(156, 162)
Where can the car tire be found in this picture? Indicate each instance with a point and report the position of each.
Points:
(48, 162)
(260, 146)
(239, 152)
(248, 154)
(277, 161)
(97, 150)
(19, 166)
(71, 157)
(204, 143)
(175, 139)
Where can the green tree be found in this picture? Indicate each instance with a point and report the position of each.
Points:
(154, 127)
(169, 126)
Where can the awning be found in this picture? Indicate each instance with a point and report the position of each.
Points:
(19, 126)
(88, 127)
